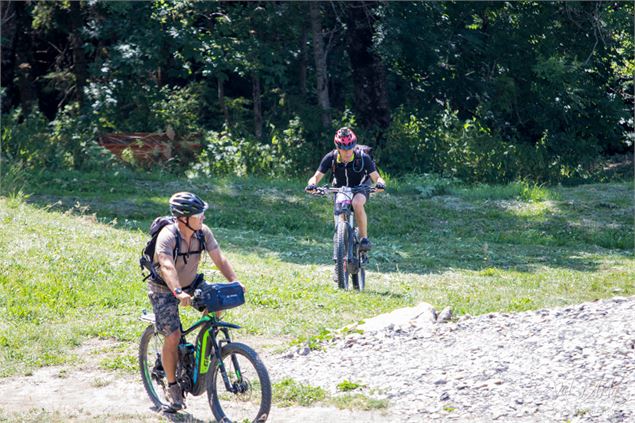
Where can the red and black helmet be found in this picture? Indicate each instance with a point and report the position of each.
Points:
(345, 139)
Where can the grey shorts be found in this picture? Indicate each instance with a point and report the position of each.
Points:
(166, 312)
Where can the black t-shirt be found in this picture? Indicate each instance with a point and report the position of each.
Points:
(350, 174)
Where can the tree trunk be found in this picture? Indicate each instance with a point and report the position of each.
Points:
(23, 57)
(221, 99)
(368, 71)
(304, 60)
(80, 67)
(9, 32)
(320, 64)
(256, 93)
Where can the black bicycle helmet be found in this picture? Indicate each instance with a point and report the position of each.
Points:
(185, 204)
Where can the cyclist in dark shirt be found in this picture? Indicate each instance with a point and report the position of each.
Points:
(350, 167)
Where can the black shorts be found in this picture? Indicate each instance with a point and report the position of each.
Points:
(365, 194)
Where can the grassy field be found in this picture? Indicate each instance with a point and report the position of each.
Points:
(69, 269)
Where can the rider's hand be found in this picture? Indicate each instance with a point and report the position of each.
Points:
(310, 188)
(185, 299)
(380, 187)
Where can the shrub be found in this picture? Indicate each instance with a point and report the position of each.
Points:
(74, 137)
(228, 153)
(26, 139)
(470, 151)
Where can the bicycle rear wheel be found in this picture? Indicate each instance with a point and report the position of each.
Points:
(152, 373)
(248, 377)
(341, 247)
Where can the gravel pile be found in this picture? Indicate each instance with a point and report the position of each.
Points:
(573, 363)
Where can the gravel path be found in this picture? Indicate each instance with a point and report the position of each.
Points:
(574, 363)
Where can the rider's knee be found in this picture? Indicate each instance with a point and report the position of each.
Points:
(173, 338)
(358, 203)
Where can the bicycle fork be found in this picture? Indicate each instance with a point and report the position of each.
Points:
(349, 221)
(221, 366)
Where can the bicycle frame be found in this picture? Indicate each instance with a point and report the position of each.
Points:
(208, 346)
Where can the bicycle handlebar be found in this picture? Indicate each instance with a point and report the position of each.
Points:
(324, 190)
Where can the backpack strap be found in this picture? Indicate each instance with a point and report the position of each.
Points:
(334, 162)
(177, 245)
(201, 242)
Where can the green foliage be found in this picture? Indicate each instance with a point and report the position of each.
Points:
(13, 177)
(347, 385)
(289, 392)
(228, 153)
(75, 138)
(292, 148)
(470, 152)
(179, 108)
(528, 91)
(26, 139)
(446, 145)
(68, 142)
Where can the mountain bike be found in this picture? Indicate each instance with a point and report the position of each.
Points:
(235, 378)
(349, 260)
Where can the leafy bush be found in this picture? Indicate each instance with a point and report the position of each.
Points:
(26, 139)
(226, 153)
(179, 108)
(470, 151)
(129, 106)
(68, 142)
(293, 151)
(74, 137)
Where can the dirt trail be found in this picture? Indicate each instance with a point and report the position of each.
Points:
(88, 393)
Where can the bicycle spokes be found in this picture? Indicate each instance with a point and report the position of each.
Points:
(248, 392)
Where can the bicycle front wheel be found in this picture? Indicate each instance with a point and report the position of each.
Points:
(250, 397)
(152, 373)
(341, 248)
(359, 279)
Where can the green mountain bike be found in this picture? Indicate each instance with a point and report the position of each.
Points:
(233, 375)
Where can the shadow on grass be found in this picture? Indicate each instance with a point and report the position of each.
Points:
(417, 235)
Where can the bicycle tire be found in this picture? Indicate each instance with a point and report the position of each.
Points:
(341, 252)
(150, 366)
(253, 404)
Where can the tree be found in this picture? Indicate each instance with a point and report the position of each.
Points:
(321, 72)
(368, 71)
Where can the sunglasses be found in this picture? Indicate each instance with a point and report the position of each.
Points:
(345, 147)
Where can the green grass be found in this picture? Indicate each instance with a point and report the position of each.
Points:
(71, 243)
(358, 402)
(347, 385)
(288, 392)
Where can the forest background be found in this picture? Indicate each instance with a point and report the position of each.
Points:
(487, 92)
